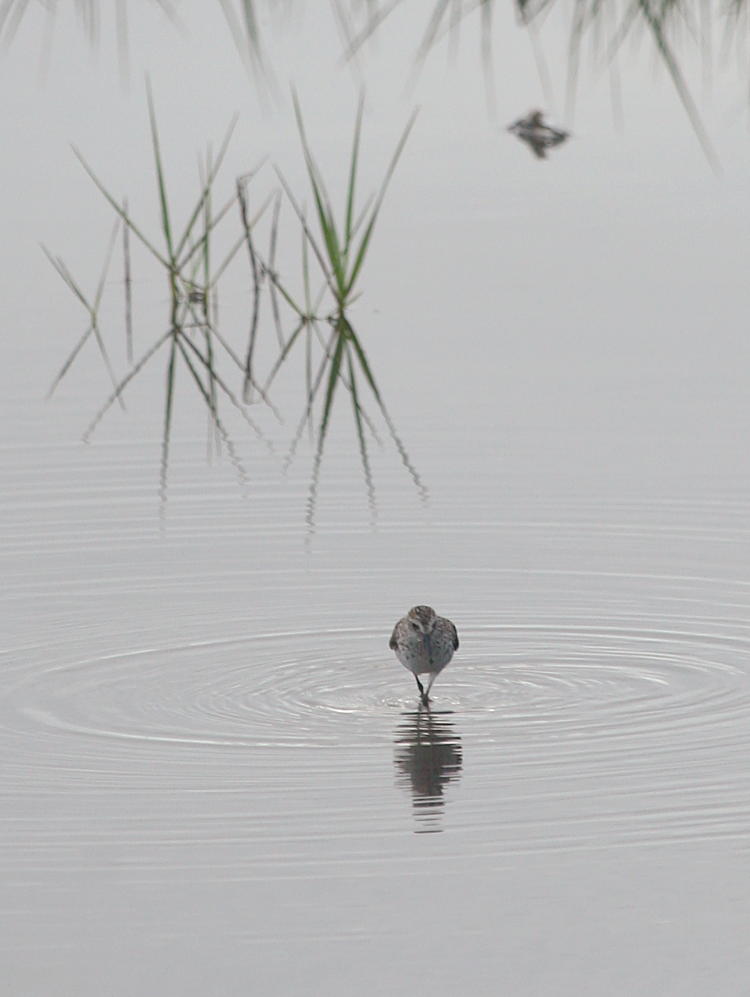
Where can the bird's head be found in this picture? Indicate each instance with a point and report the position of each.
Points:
(421, 619)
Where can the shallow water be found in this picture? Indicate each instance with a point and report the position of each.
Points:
(213, 759)
(216, 776)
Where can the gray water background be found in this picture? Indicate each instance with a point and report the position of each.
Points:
(215, 778)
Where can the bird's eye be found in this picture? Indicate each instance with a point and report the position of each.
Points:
(414, 626)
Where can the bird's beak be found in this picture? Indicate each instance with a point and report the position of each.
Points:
(428, 646)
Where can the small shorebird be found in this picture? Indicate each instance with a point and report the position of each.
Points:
(538, 135)
(424, 643)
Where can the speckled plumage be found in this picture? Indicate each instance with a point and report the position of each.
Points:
(424, 643)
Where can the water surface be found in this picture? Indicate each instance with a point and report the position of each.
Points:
(216, 776)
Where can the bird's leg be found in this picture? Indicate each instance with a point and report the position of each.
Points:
(424, 697)
(429, 685)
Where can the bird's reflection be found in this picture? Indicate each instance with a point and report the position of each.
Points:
(537, 134)
(428, 756)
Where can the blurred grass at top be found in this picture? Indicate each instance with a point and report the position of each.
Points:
(713, 29)
(675, 30)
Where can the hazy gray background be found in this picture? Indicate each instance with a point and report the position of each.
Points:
(211, 760)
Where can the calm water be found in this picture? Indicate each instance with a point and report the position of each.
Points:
(216, 779)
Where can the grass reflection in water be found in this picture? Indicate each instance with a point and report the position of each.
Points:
(334, 252)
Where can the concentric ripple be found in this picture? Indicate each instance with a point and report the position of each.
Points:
(203, 689)
(337, 686)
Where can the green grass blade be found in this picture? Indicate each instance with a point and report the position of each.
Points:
(322, 203)
(69, 362)
(328, 229)
(271, 269)
(165, 222)
(125, 217)
(312, 494)
(168, 402)
(105, 357)
(284, 353)
(215, 381)
(395, 158)
(124, 383)
(308, 370)
(105, 267)
(207, 183)
(207, 208)
(405, 459)
(306, 272)
(306, 229)
(353, 178)
(312, 394)
(273, 279)
(206, 211)
(333, 379)
(359, 259)
(197, 247)
(369, 228)
(309, 158)
(127, 280)
(227, 440)
(92, 310)
(361, 435)
(254, 267)
(354, 339)
(59, 265)
(236, 245)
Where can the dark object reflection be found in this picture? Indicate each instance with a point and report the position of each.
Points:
(537, 134)
(428, 757)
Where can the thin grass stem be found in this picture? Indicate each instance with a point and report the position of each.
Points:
(128, 286)
(123, 384)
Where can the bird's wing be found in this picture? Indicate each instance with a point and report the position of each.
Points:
(393, 642)
(454, 636)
